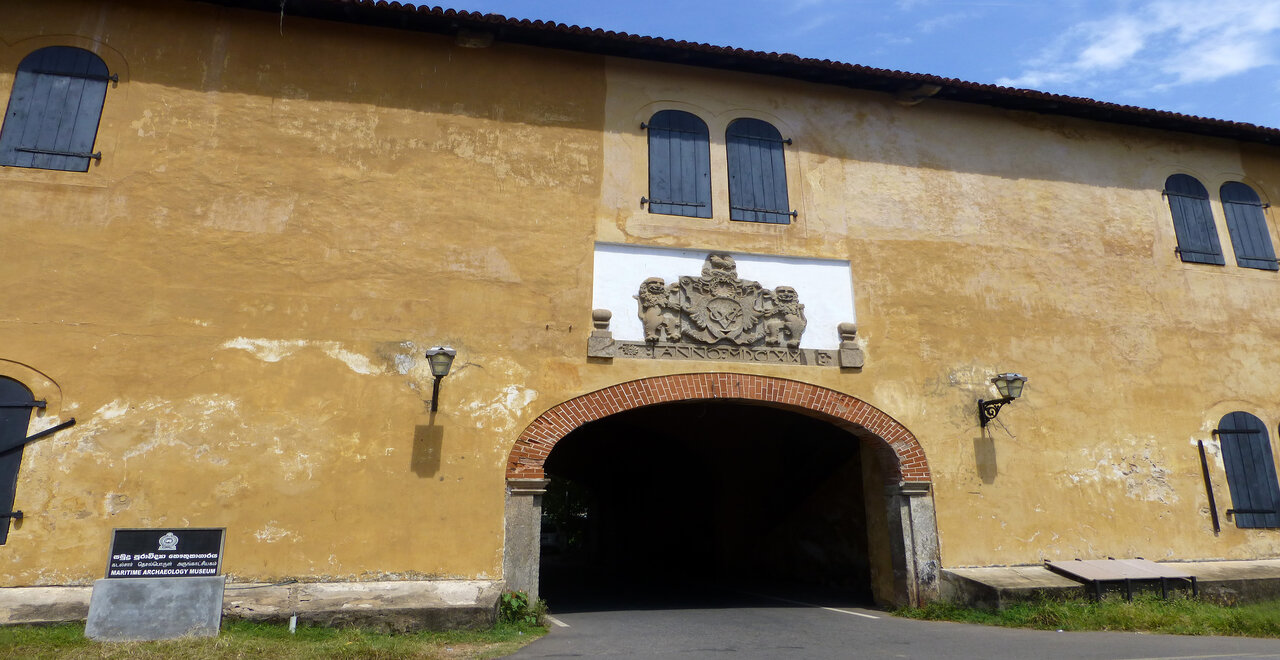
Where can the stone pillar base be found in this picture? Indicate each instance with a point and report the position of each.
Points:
(522, 550)
(913, 534)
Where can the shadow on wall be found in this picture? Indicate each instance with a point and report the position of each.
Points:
(428, 443)
(984, 456)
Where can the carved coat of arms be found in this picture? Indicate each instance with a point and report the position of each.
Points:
(719, 307)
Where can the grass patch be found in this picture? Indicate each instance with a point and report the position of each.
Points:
(1176, 616)
(242, 639)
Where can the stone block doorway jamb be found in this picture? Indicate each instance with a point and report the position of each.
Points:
(913, 533)
(522, 550)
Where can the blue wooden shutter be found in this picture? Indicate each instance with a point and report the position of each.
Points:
(679, 165)
(14, 419)
(1251, 470)
(54, 108)
(1248, 226)
(1192, 220)
(757, 173)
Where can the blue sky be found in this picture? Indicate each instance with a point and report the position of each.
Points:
(1216, 59)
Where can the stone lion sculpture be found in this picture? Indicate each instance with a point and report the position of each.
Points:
(786, 321)
(660, 318)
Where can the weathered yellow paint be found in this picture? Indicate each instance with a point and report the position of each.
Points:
(984, 241)
(235, 302)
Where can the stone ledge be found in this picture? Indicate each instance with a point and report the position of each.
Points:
(44, 604)
(1001, 586)
(1232, 582)
(399, 606)
(1236, 582)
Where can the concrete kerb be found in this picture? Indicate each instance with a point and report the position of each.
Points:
(1235, 582)
(1001, 586)
(393, 606)
(44, 605)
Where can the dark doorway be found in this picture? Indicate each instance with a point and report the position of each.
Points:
(700, 500)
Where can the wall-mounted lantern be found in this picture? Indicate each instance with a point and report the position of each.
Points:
(1010, 388)
(440, 358)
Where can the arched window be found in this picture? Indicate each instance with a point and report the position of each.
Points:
(54, 108)
(679, 165)
(15, 416)
(1251, 470)
(1248, 226)
(1192, 220)
(757, 173)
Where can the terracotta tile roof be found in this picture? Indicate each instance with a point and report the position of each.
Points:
(620, 44)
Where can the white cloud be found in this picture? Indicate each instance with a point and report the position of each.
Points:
(793, 6)
(942, 21)
(1112, 46)
(891, 39)
(1219, 61)
(814, 23)
(1158, 44)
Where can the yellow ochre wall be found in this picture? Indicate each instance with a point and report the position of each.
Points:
(235, 302)
(984, 241)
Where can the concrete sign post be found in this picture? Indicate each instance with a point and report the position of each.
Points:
(160, 584)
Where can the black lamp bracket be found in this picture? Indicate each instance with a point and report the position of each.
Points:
(987, 410)
(435, 394)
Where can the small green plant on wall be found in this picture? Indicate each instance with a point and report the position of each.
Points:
(514, 607)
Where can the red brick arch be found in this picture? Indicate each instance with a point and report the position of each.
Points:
(906, 460)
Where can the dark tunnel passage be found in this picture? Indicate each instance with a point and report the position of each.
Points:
(679, 501)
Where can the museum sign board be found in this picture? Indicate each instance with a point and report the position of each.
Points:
(166, 552)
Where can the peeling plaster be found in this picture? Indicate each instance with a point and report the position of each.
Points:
(274, 350)
(116, 503)
(1138, 469)
(231, 488)
(39, 424)
(142, 448)
(270, 533)
(111, 410)
(500, 413)
(204, 430)
(485, 264)
(354, 361)
(1212, 447)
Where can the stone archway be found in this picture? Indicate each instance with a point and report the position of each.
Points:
(909, 502)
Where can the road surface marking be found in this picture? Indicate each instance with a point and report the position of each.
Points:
(798, 602)
(556, 621)
(1208, 657)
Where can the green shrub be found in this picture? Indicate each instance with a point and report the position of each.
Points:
(514, 607)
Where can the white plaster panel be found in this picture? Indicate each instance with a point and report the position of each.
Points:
(825, 286)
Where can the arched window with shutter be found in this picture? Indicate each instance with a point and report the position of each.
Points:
(1251, 470)
(52, 118)
(679, 164)
(1250, 237)
(757, 173)
(16, 404)
(1192, 220)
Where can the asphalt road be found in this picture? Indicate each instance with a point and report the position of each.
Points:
(723, 624)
